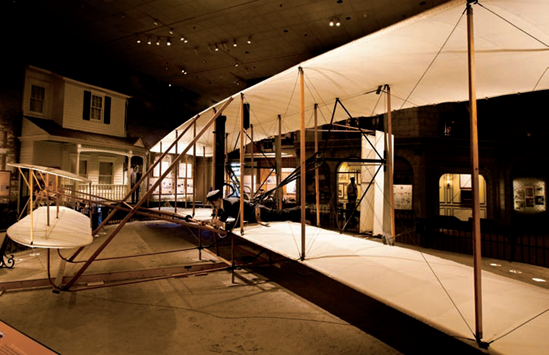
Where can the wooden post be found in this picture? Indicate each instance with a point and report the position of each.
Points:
(390, 164)
(194, 170)
(47, 197)
(204, 175)
(31, 192)
(128, 173)
(148, 176)
(160, 173)
(302, 178)
(477, 263)
(227, 176)
(58, 194)
(77, 169)
(317, 173)
(89, 204)
(176, 174)
(279, 191)
(241, 213)
(185, 182)
(252, 174)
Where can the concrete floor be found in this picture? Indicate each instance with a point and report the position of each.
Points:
(279, 309)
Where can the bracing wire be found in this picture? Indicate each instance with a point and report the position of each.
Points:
(448, 294)
(433, 61)
(520, 325)
(512, 24)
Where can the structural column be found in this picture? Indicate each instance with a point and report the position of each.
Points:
(302, 177)
(279, 192)
(477, 262)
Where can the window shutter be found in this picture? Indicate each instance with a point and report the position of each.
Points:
(87, 105)
(107, 113)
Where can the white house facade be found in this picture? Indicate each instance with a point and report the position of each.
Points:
(81, 128)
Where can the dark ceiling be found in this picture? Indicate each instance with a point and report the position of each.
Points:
(98, 33)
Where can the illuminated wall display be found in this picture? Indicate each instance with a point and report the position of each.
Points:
(403, 197)
(456, 196)
(529, 195)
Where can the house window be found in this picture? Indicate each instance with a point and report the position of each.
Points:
(83, 168)
(37, 98)
(96, 107)
(105, 173)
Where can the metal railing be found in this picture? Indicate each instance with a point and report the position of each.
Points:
(524, 244)
(108, 191)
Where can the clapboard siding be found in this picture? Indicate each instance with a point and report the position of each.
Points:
(74, 105)
(26, 152)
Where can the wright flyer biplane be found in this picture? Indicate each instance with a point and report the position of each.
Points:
(456, 52)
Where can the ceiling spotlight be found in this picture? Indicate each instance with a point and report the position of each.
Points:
(171, 31)
(185, 40)
(157, 41)
(331, 23)
(250, 40)
(155, 22)
(170, 85)
(234, 43)
(338, 23)
(216, 47)
(149, 40)
(183, 71)
(169, 42)
(236, 63)
(182, 38)
(138, 39)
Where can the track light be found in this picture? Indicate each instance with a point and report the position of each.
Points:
(236, 63)
(171, 31)
(169, 42)
(249, 39)
(138, 39)
(234, 43)
(331, 23)
(338, 23)
(182, 38)
(183, 71)
(149, 40)
(216, 48)
(155, 22)
(157, 41)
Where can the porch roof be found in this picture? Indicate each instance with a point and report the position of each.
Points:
(53, 129)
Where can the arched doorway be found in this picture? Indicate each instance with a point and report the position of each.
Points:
(456, 196)
(348, 211)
